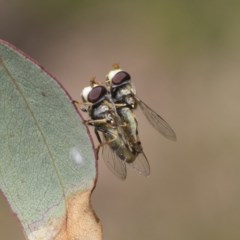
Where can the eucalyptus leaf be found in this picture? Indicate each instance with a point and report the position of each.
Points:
(47, 162)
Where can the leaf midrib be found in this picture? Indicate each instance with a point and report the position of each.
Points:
(14, 81)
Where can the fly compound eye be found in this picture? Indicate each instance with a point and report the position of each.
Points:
(96, 94)
(120, 78)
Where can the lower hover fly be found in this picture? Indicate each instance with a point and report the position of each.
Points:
(116, 150)
(123, 95)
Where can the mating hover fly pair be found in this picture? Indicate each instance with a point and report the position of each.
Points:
(110, 107)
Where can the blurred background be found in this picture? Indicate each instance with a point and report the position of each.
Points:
(184, 59)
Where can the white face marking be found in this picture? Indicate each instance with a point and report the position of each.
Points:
(75, 155)
(85, 92)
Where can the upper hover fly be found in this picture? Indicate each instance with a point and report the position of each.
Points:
(124, 97)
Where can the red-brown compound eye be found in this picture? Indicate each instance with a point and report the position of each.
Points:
(120, 78)
(96, 94)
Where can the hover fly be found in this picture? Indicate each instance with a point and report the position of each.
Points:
(124, 97)
(107, 125)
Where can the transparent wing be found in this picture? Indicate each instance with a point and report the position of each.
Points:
(116, 165)
(141, 165)
(157, 121)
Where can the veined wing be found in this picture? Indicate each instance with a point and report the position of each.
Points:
(116, 165)
(157, 121)
(141, 165)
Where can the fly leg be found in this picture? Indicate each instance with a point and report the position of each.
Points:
(119, 105)
(94, 82)
(77, 104)
(95, 122)
(101, 143)
(82, 106)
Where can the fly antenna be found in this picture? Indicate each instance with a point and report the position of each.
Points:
(92, 81)
(116, 66)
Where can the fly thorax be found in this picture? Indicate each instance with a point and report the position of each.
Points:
(100, 112)
(121, 92)
(124, 95)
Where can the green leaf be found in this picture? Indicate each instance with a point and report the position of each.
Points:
(47, 162)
